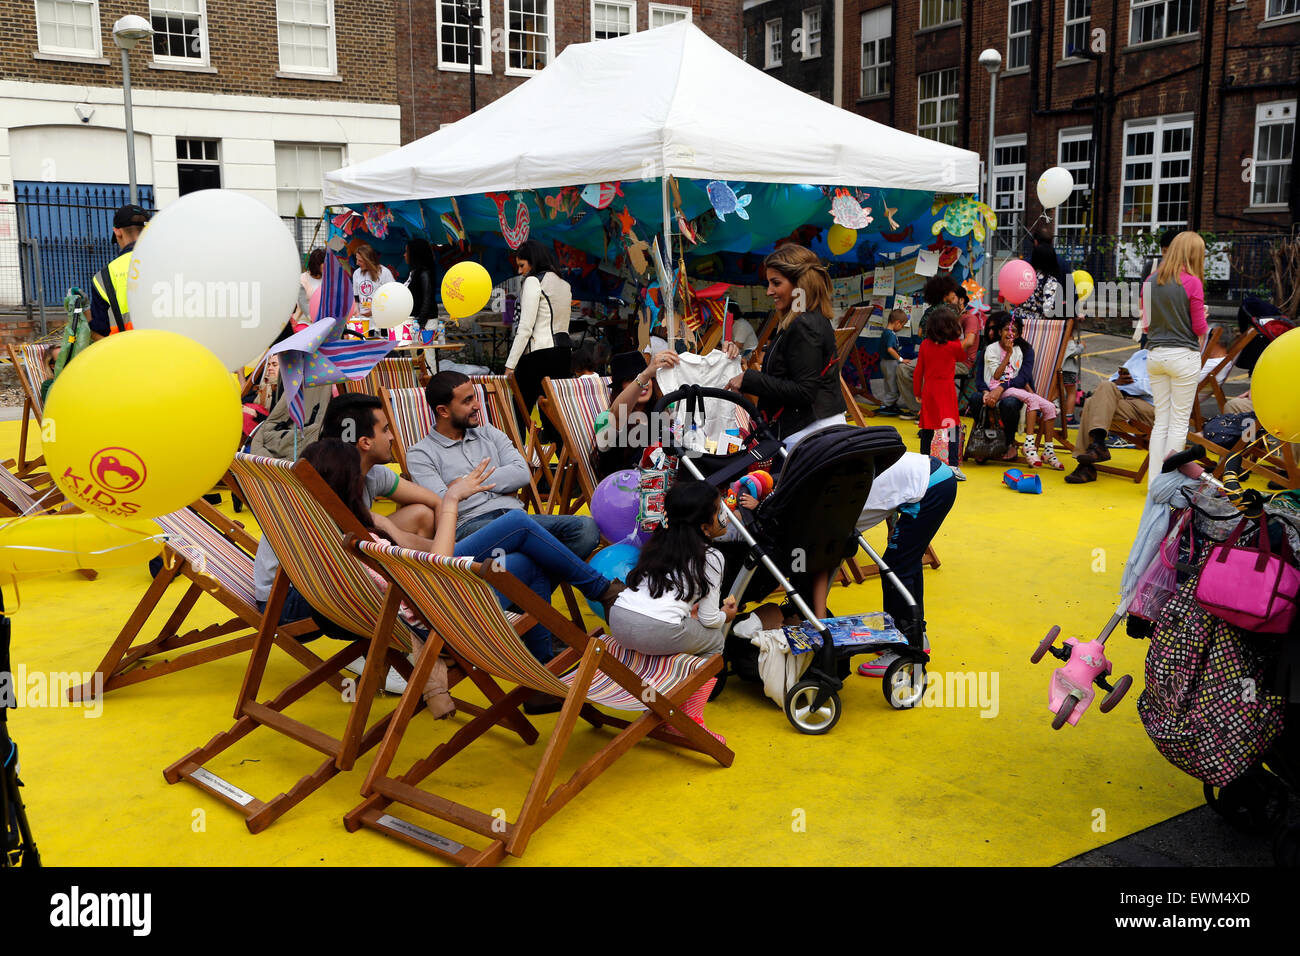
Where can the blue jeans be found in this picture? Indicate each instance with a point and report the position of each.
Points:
(578, 533)
(912, 535)
(537, 558)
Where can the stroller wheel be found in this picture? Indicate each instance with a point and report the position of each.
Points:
(904, 684)
(1117, 693)
(1064, 711)
(1254, 803)
(1044, 645)
(1286, 847)
(799, 708)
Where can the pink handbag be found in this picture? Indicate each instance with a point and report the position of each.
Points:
(1251, 588)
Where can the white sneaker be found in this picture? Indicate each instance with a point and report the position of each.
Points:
(395, 683)
(958, 473)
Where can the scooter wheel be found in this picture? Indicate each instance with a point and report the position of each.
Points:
(1116, 694)
(1044, 645)
(904, 684)
(799, 708)
(1064, 711)
(1254, 803)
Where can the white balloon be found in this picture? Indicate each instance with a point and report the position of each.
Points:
(218, 267)
(1054, 187)
(392, 305)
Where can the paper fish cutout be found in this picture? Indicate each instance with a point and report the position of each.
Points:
(686, 230)
(517, 234)
(563, 203)
(724, 200)
(974, 290)
(600, 195)
(348, 222)
(848, 212)
(965, 215)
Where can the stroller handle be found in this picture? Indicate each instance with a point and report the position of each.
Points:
(704, 391)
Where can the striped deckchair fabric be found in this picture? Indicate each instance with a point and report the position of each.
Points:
(1048, 338)
(22, 496)
(573, 404)
(409, 415)
(497, 402)
(399, 372)
(31, 362)
(215, 554)
(456, 597)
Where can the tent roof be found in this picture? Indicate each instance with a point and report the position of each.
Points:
(632, 107)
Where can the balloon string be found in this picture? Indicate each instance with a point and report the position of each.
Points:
(117, 547)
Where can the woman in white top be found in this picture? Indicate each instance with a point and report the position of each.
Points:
(541, 347)
(368, 277)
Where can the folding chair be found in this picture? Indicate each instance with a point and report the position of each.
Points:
(1210, 384)
(306, 523)
(1048, 338)
(215, 554)
(31, 362)
(497, 400)
(537, 453)
(409, 415)
(398, 372)
(1137, 434)
(1268, 458)
(573, 404)
(455, 596)
(17, 499)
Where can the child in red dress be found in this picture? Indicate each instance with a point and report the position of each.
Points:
(934, 385)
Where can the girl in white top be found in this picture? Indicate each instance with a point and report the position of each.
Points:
(368, 277)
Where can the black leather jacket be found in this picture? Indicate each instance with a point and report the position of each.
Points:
(800, 379)
(422, 288)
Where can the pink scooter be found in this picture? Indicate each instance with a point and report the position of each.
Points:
(1071, 690)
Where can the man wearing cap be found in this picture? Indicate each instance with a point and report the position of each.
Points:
(108, 309)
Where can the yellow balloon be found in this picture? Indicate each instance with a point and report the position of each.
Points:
(841, 239)
(466, 288)
(1273, 387)
(1083, 284)
(141, 424)
(72, 543)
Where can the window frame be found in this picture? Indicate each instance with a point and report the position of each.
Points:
(1268, 6)
(1075, 134)
(1020, 171)
(484, 66)
(332, 68)
(96, 31)
(880, 68)
(205, 59)
(807, 33)
(939, 124)
(940, 4)
(190, 161)
(1136, 6)
(628, 5)
(550, 39)
(681, 12)
(1158, 125)
(1012, 37)
(768, 62)
(1262, 121)
(1065, 30)
(277, 145)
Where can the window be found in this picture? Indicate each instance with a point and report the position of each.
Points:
(68, 26)
(1157, 174)
(612, 19)
(1274, 146)
(1019, 19)
(198, 164)
(663, 14)
(1078, 20)
(1151, 20)
(529, 25)
(939, 12)
(1282, 8)
(453, 38)
(811, 38)
(306, 35)
(1074, 152)
(179, 31)
(1009, 153)
(877, 52)
(299, 170)
(936, 107)
(773, 45)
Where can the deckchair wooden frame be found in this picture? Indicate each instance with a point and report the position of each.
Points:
(395, 371)
(569, 471)
(501, 400)
(125, 662)
(18, 499)
(1055, 388)
(1273, 462)
(380, 649)
(33, 406)
(590, 653)
(1210, 384)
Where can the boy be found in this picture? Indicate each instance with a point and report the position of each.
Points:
(889, 359)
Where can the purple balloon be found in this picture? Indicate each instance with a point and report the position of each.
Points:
(615, 504)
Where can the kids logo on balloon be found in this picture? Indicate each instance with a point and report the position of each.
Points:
(112, 475)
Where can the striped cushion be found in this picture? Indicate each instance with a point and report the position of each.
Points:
(1047, 337)
(210, 552)
(310, 547)
(389, 373)
(35, 370)
(463, 608)
(578, 401)
(497, 402)
(412, 420)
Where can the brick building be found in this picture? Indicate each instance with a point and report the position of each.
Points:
(1182, 110)
(795, 41)
(516, 40)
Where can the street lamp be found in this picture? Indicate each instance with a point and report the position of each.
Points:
(473, 13)
(991, 60)
(127, 32)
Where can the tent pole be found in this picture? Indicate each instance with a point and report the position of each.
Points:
(668, 252)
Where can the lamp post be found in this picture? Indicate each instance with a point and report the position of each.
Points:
(991, 60)
(473, 13)
(127, 32)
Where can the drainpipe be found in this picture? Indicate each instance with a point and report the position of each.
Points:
(968, 27)
(1207, 35)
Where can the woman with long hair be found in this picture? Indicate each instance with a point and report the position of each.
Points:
(421, 280)
(541, 347)
(1179, 322)
(368, 276)
(799, 384)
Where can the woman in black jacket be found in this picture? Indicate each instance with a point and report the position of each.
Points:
(799, 386)
(421, 281)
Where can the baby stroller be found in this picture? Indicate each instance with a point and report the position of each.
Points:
(808, 525)
(1268, 322)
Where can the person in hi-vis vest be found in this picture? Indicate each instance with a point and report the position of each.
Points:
(108, 309)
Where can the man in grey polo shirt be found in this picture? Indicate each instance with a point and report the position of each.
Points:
(459, 441)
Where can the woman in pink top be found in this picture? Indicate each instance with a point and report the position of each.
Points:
(1175, 336)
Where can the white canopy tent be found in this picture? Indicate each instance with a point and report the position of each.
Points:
(668, 100)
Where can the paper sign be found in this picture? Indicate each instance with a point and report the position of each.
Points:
(884, 281)
(927, 263)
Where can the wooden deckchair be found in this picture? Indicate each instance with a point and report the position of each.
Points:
(411, 420)
(18, 498)
(215, 554)
(455, 596)
(497, 398)
(539, 454)
(1048, 338)
(306, 523)
(31, 362)
(573, 404)
(396, 372)
(1210, 385)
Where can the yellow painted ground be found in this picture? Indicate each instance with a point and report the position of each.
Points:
(932, 786)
